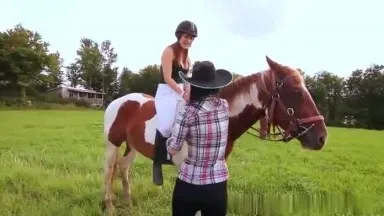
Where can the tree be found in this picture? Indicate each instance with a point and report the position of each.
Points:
(146, 80)
(73, 74)
(55, 75)
(125, 81)
(90, 61)
(365, 96)
(109, 74)
(24, 57)
(332, 87)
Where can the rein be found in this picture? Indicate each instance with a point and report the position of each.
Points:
(296, 128)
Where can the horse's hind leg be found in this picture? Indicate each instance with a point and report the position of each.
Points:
(111, 152)
(124, 165)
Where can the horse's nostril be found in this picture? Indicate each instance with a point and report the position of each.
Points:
(322, 140)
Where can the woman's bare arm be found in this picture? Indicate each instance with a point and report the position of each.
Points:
(166, 62)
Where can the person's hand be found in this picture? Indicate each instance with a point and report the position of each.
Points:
(186, 96)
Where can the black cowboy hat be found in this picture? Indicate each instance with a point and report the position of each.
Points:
(205, 75)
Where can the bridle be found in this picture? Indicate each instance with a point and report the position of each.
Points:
(295, 129)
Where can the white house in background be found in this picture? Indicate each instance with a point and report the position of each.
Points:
(93, 97)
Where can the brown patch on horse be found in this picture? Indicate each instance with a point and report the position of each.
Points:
(125, 113)
(131, 118)
(136, 129)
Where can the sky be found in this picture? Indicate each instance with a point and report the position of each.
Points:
(313, 35)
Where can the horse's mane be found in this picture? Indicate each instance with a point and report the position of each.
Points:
(242, 85)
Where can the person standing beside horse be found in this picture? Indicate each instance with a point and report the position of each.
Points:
(169, 91)
(203, 123)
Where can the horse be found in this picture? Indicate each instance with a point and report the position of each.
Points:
(277, 96)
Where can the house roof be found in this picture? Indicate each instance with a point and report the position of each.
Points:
(76, 89)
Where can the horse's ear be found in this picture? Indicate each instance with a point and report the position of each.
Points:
(273, 65)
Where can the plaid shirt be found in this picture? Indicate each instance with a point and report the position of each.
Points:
(204, 126)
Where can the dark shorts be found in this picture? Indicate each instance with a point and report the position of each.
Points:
(210, 199)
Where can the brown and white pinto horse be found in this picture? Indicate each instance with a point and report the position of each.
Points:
(277, 95)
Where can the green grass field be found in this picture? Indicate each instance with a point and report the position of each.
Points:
(51, 163)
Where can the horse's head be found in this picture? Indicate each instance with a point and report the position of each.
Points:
(292, 108)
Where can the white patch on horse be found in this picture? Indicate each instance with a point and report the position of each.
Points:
(150, 125)
(244, 99)
(114, 106)
(150, 130)
(254, 96)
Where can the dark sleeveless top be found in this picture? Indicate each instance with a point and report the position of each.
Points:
(176, 67)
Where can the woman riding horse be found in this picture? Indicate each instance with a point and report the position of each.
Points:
(170, 90)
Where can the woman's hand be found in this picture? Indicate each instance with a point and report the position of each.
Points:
(186, 96)
(187, 93)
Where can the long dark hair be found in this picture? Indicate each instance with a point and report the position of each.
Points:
(199, 94)
(178, 52)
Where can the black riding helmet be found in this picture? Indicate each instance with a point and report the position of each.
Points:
(186, 26)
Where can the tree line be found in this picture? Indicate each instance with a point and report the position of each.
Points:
(29, 68)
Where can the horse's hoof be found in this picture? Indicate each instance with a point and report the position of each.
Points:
(111, 210)
(109, 207)
(127, 199)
